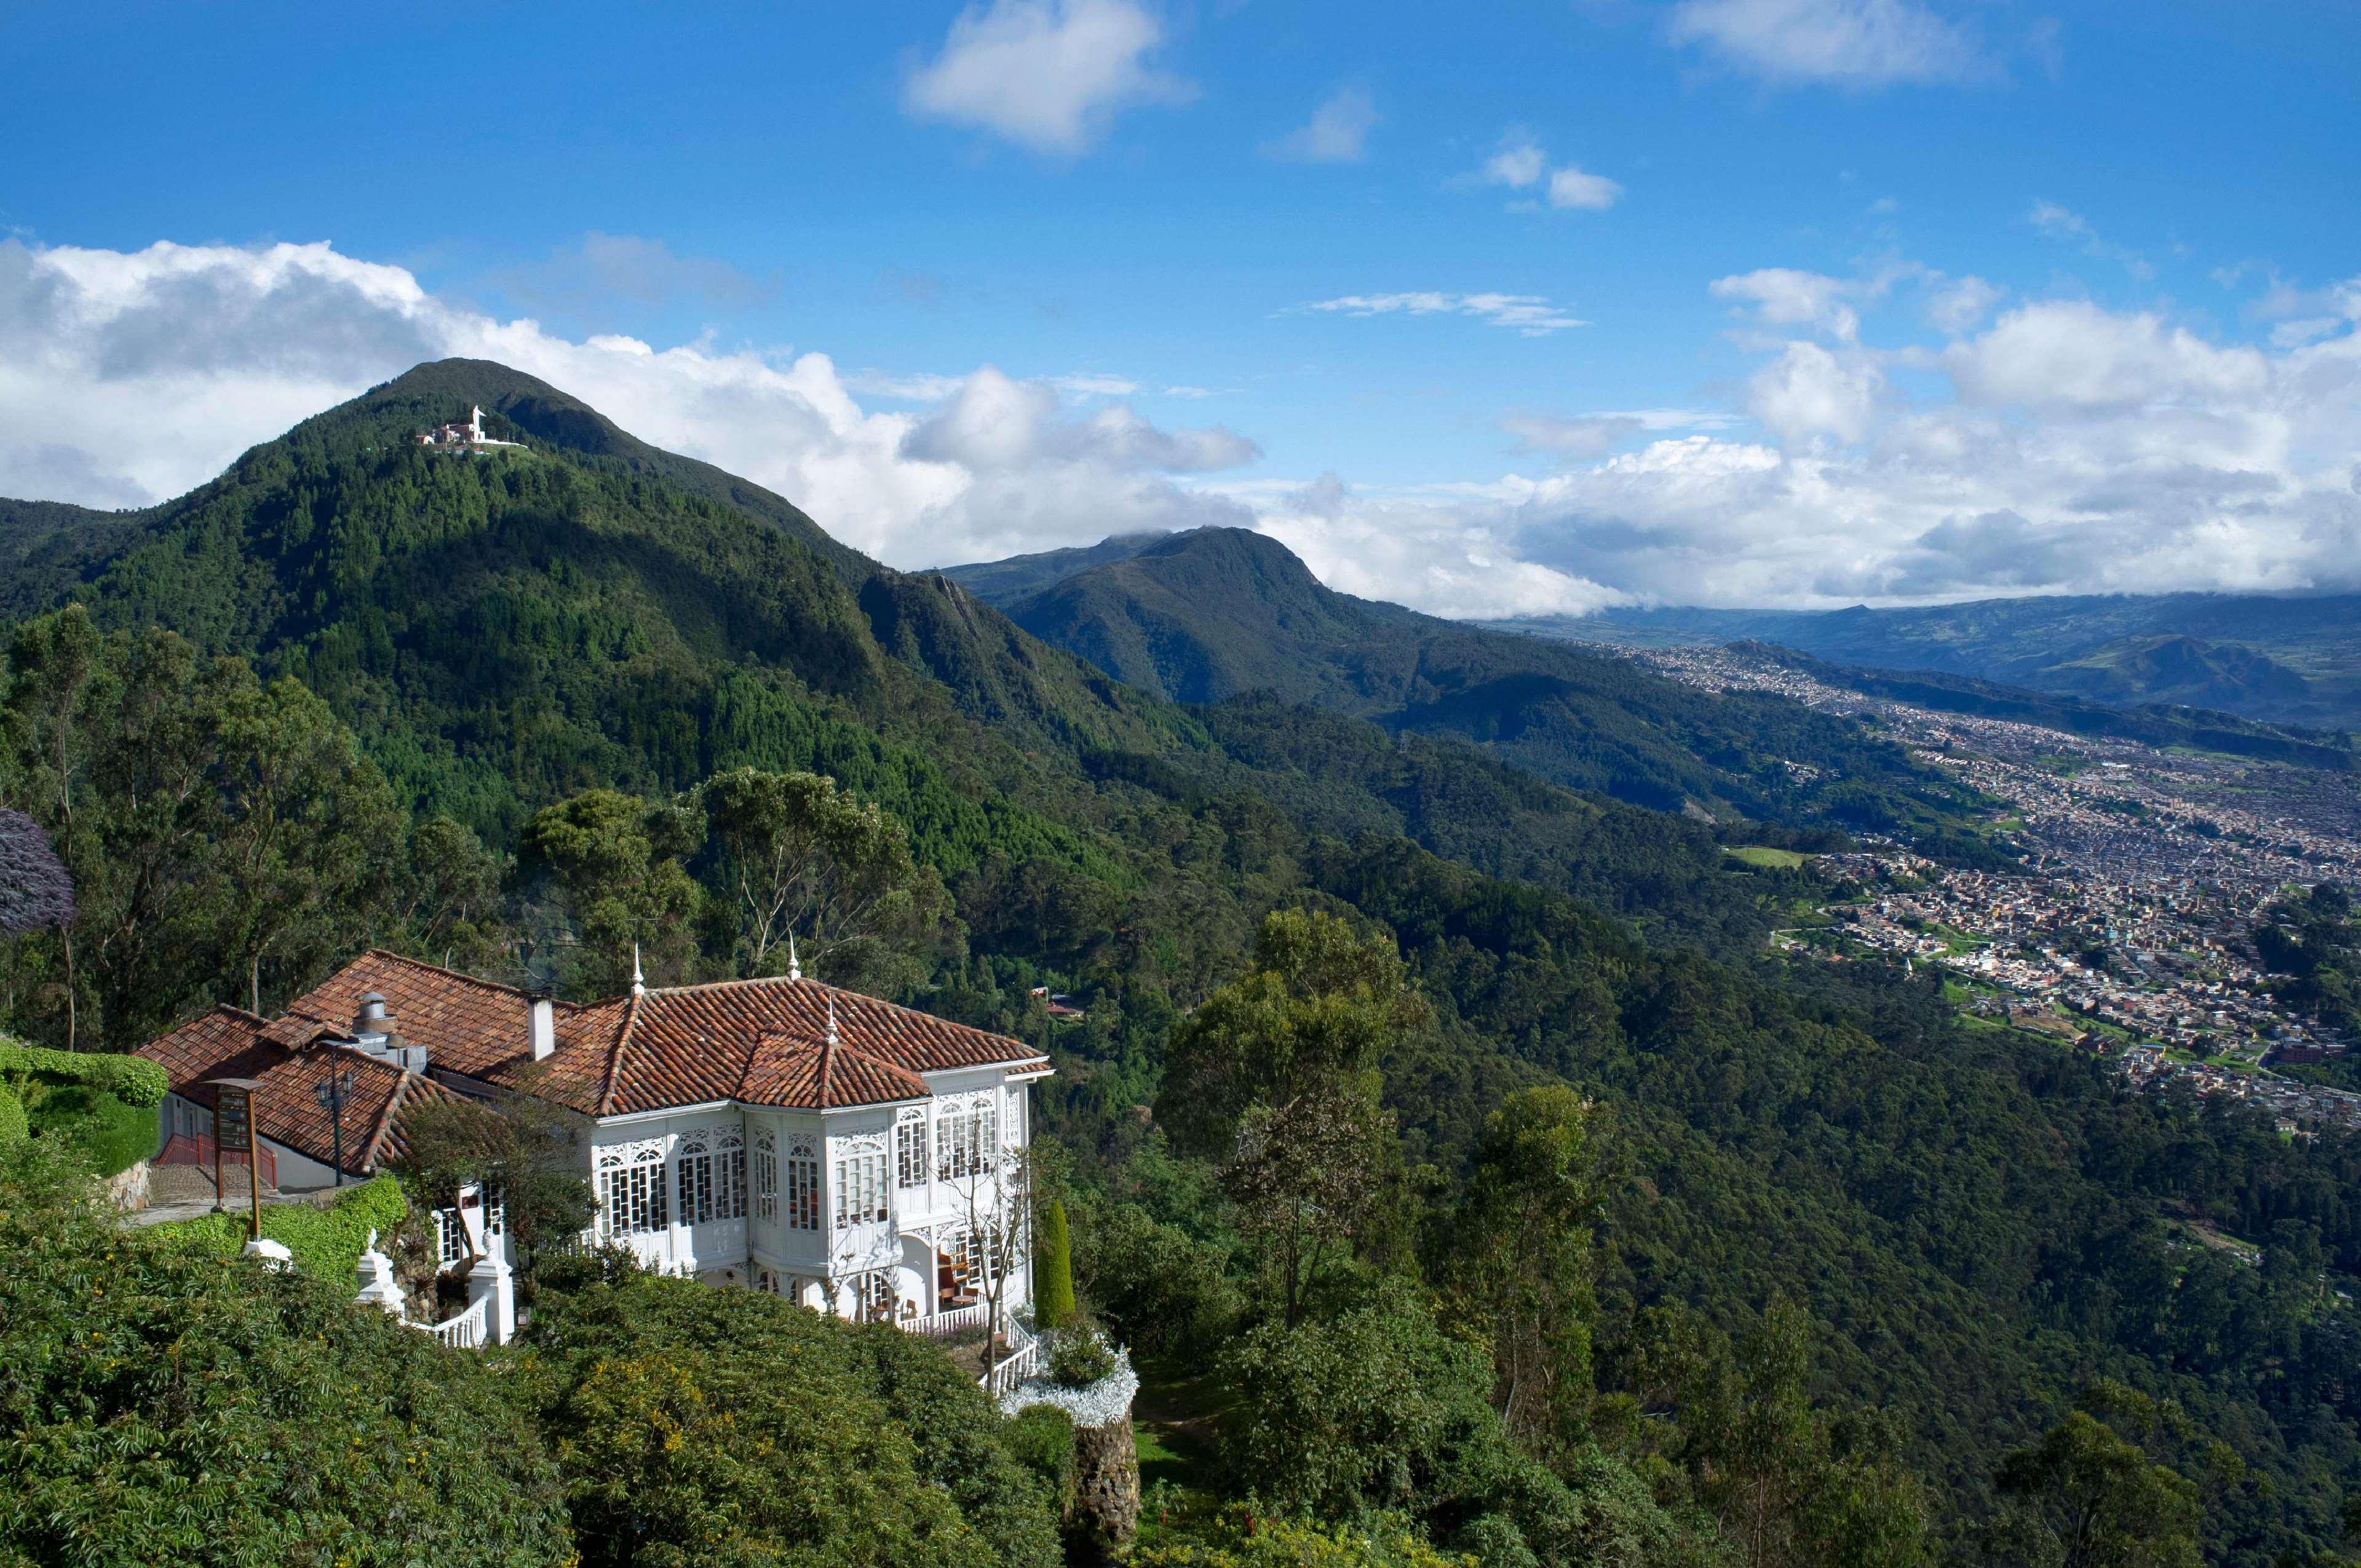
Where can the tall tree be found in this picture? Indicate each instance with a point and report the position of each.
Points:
(227, 840)
(2088, 1497)
(306, 831)
(617, 860)
(1514, 1260)
(798, 858)
(1274, 1076)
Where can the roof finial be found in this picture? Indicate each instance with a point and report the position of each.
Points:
(831, 1017)
(639, 980)
(795, 970)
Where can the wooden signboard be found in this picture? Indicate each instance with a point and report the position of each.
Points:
(234, 1129)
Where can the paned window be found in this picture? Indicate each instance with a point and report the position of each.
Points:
(692, 1178)
(860, 1189)
(910, 1149)
(967, 1137)
(803, 1185)
(766, 1177)
(728, 1175)
(632, 1190)
(450, 1238)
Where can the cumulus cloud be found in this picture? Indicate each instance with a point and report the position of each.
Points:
(1595, 434)
(1433, 554)
(1782, 296)
(2081, 449)
(1338, 131)
(1521, 164)
(1048, 75)
(130, 377)
(1809, 391)
(2074, 354)
(1854, 43)
(1530, 315)
(1957, 304)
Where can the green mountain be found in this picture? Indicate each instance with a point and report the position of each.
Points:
(2282, 659)
(1207, 615)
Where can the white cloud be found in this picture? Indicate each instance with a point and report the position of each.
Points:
(1046, 74)
(1783, 296)
(1858, 43)
(1584, 436)
(2082, 450)
(1338, 131)
(1530, 315)
(2064, 224)
(130, 377)
(1572, 187)
(1430, 554)
(2072, 354)
(599, 269)
(1521, 164)
(1958, 304)
(1809, 391)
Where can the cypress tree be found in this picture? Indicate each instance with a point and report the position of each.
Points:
(1053, 1263)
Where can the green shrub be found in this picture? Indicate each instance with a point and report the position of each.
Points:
(1053, 1275)
(1042, 1439)
(169, 1406)
(13, 1125)
(1079, 1356)
(327, 1242)
(1167, 1295)
(135, 1081)
(700, 1425)
(112, 1135)
(1239, 1539)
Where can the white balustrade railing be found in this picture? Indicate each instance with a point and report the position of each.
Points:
(952, 1324)
(1023, 1361)
(465, 1331)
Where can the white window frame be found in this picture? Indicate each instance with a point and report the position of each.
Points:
(912, 1165)
(803, 1182)
(766, 1176)
(633, 1191)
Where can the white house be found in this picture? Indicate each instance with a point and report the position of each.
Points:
(779, 1134)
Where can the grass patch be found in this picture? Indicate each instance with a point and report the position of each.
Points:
(1764, 858)
(325, 1243)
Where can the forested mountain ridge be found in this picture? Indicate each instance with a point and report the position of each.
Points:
(1960, 1233)
(1207, 615)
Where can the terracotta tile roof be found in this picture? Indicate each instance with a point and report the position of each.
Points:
(815, 1075)
(681, 1046)
(692, 1043)
(230, 1043)
(465, 1024)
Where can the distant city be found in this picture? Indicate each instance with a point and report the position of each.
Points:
(2128, 931)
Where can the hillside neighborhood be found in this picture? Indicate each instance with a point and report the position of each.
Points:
(2128, 931)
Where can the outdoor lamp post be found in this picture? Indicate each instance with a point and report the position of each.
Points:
(330, 1097)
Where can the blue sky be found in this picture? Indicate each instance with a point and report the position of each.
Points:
(1487, 308)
